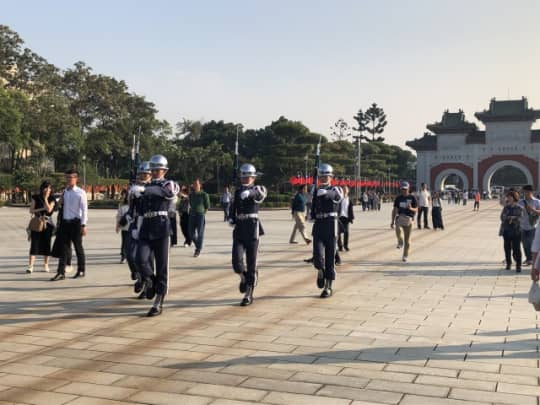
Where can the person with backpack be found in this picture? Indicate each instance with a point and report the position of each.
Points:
(511, 230)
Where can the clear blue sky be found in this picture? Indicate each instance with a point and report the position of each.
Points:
(315, 61)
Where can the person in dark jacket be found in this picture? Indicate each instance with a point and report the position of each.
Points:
(346, 217)
(183, 209)
(43, 204)
(511, 230)
(298, 211)
(436, 212)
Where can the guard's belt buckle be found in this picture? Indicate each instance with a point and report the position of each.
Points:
(155, 214)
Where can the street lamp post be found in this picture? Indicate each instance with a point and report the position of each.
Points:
(84, 170)
(305, 171)
(358, 166)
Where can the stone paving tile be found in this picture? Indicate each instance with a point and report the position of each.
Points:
(282, 398)
(208, 377)
(495, 397)
(35, 397)
(28, 369)
(296, 387)
(99, 401)
(419, 400)
(221, 391)
(165, 398)
(384, 397)
(37, 383)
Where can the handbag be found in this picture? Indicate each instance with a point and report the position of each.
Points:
(37, 223)
(404, 220)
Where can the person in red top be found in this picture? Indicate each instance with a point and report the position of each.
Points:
(476, 201)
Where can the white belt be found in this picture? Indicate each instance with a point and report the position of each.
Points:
(326, 215)
(153, 214)
(246, 216)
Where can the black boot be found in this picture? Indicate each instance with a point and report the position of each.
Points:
(248, 297)
(242, 286)
(150, 288)
(58, 276)
(78, 274)
(139, 284)
(320, 278)
(157, 308)
(327, 292)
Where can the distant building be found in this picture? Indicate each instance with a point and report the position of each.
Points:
(456, 147)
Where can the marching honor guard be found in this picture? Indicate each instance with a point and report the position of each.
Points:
(324, 211)
(244, 216)
(143, 177)
(154, 232)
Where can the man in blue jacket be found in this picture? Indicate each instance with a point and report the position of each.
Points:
(298, 208)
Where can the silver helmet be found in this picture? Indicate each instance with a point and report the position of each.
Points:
(159, 162)
(247, 170)
(144, 167)
(326, 170)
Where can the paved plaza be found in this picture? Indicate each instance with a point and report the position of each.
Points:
(450, 327)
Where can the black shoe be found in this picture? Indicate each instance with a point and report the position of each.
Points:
(242, 286)
(150, 289)
(197, 253)
(141, 295)
(293, 243)
(248, 298)
(427, 227)
(347, 248)
(58, 276)
(309, 260)
(326, 293)
(78, 274)
(340, 249)
(518, 270)
(308, 241)
(155, 311)
(508, 267)
(338, 262)
(320, 279)
(133, 276)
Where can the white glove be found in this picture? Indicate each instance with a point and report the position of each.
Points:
(231, 222)
(135, 234)
(136, 190)
(321, 192)
(244, 194)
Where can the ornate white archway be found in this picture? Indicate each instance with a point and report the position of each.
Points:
(441, 177)
(499, 165)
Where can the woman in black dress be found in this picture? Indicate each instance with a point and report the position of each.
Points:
(43, 204)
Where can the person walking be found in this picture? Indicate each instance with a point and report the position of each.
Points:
(199, 203)
(324, 211)
(365, 201)
(477, 197)
(183, 209)
(511, 230)
(405, 207)
(42, 207)
(225, 201)
(122, 225)
(465, 197)
(72, 227)
(244, 217)
(298, 210)
(436, 211)
(529, 220)
(424, 200)
(346, 217)
(154, 232)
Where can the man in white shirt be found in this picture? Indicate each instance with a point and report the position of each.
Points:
(72, 226)
(424, 201)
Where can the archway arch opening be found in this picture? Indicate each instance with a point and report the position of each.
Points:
(504, 175)
(451, 178)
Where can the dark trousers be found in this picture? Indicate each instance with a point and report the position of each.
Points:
(174, 236)
(124, 245)
(436, 218)
(249, 249)
(324, 254)
(159, 250)
(512, 249)
(225, 207)
(423, 211)
(476, 205)
(527, 237)
(196, 229)
(184, 226)
(343, 230)
(70, 232)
